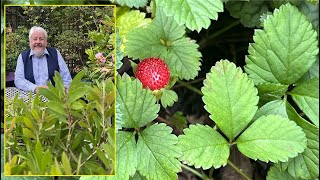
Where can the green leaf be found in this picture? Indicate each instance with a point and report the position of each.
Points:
(306, 96)
(66, 164)
(126, 154)
(311, 11)
(196, 14)
(102, 157)
(248, 12)
(285, 50)
(230, 98)
(270, 91)
(164, 38)
(132, 3)
(203, 147)
(306, 164)
(157, 153)
(278, 3)
(277, 107)
(168, 98)
(137, 105)
(272, 138)
(119, 116)
(119, 53)
(275, 173)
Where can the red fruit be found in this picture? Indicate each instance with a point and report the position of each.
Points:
(153, 73)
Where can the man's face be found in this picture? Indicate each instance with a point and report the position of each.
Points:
(38, 43)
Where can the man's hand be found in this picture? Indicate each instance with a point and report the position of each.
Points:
(42, 86)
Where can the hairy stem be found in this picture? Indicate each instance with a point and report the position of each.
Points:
(238, 170)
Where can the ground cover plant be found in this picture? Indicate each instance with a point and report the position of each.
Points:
(242, 101)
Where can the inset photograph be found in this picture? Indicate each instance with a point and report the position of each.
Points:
(59, 91)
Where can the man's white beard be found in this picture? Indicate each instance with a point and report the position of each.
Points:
(39, 53)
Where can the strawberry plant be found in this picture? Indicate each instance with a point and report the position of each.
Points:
(242, 101)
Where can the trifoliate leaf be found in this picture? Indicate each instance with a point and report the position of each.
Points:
(306, 164)
(164, 38)
(158, 153)
(285, 50)
(270, 91)
(126, 155)
(275, 173)
(204, 147)
(277, 107)
(132, 3)
(272, 138)
(230, 98)
(137, 105)
(195, 14)
(248, 12)
(278, 3)
(306, 96)
(168, 98)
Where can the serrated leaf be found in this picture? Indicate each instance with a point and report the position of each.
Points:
(277, 107)
(278, 3)
(270, 91)
(306, 164)
(132, 3)
(158, 153)
(164, 38)
(272, 138)
(275, 173)
(248, 12)
(137, 105)
(168, 98)
(306, 96)
(195, 14)
(230, 98)
(285, 50)
(204, 147)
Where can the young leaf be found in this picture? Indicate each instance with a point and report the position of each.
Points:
(285, 50)
(272, 138)
(168, 98)
(230, 98)
(277, 107)
(306, 96)
(203, 147)
(248, 12)
(137, 105)
(270, 91)
(306, 164)
(157, 153)
(194, 14)
(126, 155)
(132, 3)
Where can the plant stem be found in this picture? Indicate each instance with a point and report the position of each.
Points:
(190, 87)
(238, 170)
(204, 41)
(195, 172)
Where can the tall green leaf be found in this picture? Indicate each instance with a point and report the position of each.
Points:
(230, 98)
(204, 147)
(306, 96)
(195, 14)
(158, 153)
(272, 138)
(284, 50)
(138, 105)
(164, 38)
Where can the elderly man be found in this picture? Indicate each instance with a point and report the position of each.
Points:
(37, 65)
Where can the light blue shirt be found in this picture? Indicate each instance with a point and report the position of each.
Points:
(40, 72)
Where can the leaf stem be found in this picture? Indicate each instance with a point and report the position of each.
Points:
(204, 41)
(190, 87)
(238, 170)
(195, 172)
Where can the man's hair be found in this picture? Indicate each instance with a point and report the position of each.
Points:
(38, 29)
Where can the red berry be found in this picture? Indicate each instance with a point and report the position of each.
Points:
(153, 73)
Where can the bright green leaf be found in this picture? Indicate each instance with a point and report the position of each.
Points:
(157, 153)
(203, 147)
(168, 98)
(137, 105)
(285, 50)
(195, 14)
(272, 138)
(277, 107)
(306, 96)
(270, 91)
(66, 164)
(230, 98)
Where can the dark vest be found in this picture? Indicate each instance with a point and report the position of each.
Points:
(52, 62)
